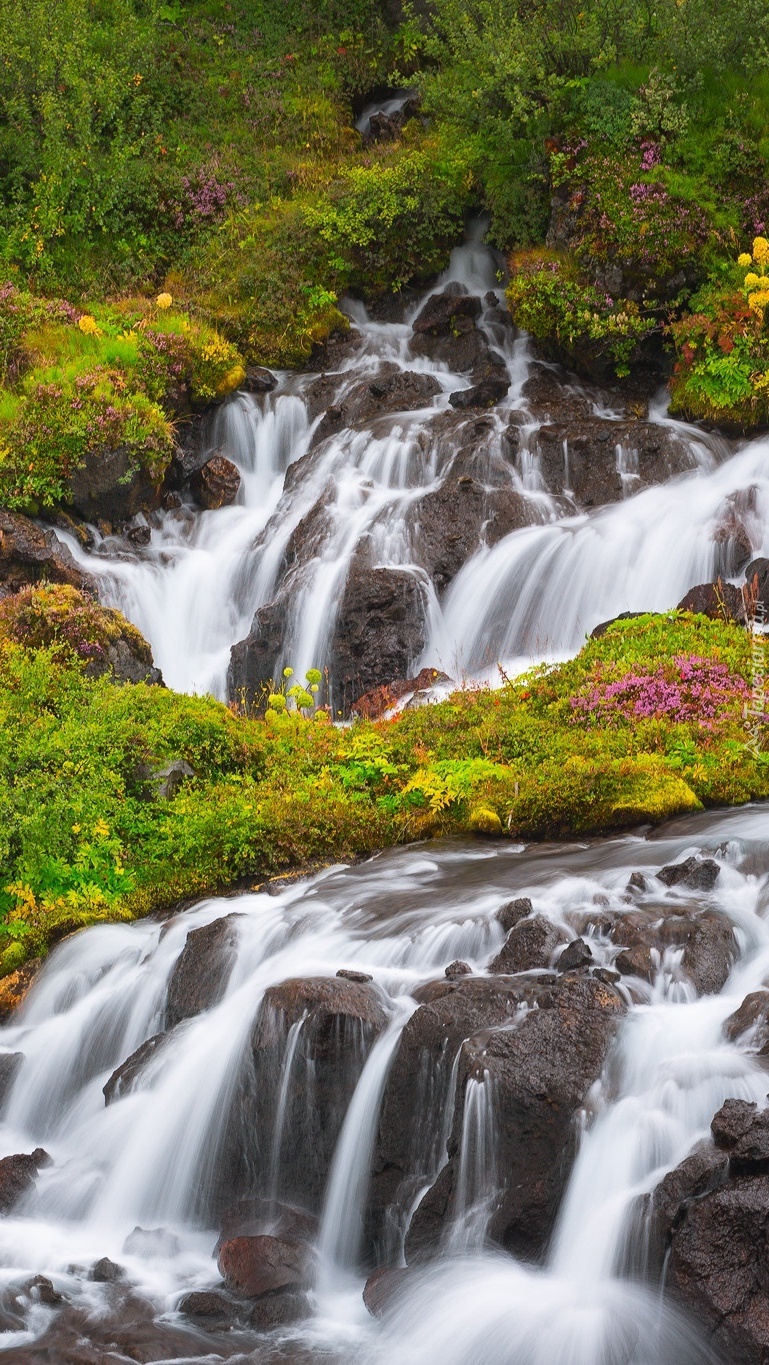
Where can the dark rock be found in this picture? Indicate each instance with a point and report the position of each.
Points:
(279, 1310)
(529, 945)
(757, 585)
(9, 1067)
(511, 914)
(707, 939)
(254, 1216)
(127, 659)
(601, 629)
(205, 1303)
(742, 1130)
(216, 483)
(151, 1242)
(731, 535)
(380, 630)
(582, 458)
(720, 601)
(29, 554)
(202, 970)
(375, 703)
(339, 1021)
(170, 778)
(360, 404)
(106, 1271)
(139, 535)
(752, 1018)
(456, 969)
(123, 1080)
(575, 955)
(606, 975)
(110, 486)
(347, 974)
(483, 395)
(383, 1286)
(441, 313)
(700, 874)
(251, 1266)
(18, 1175)
(636, 882)
(540, 1073)
(410, 1144)
(171, 501)
(449, 523)
(258, 380)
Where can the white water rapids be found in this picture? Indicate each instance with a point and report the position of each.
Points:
(402, 918)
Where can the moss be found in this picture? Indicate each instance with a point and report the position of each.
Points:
(59, 616)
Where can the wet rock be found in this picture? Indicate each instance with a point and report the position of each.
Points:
(125, 1077)
(732, 535)
(720, 601)
(448, 524)
(529, 945)
(110, 486)
(445, 331)
(483, 395)
(139, 535)
(602, 628)
(347, 974)
(750, 1023)
(410, 1143)
(126, 1331)
(511, 914)
(383, 1286)
(9, 1069)
(457, 969)
(251, 1266)
(375, 703)
(575, 955)
(380, 630)
(168, 780)
(699, 874)
(392, 390)
(202, 970)
(258, 380)
(18, 1175)
(106, 1271)
(216, 483)
(206, 1303)
(253, 1216)
(540, 1073)
(29, 554)
(15, 987)
(742, 1130)
(706, 937)
(151, 1242)
(440, 316)
(337, 1022)
(757, 584)
(252, 660)
(599, 460)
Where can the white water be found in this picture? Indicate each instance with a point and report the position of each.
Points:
(194, 589)
(149, 1157)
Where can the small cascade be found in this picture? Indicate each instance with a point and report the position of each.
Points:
(477, 1180)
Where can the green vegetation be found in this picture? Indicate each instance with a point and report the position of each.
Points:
(619, 735)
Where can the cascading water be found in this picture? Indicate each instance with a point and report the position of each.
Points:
(156, 1155)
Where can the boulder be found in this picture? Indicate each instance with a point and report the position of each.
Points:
(757, 583)
(202, 970)
(259, 380)
(336, 1022)
(216, 483)
(575, 956)
(206, 1303)
(530, 944)
(599, 460)
(124, 1078)
(720, 601)
(18, 1175)
(750, 1023)
(383, 1286)
(699, 874)
(106, 1271)
(440, 315)
(252, 1266)
(391, 390)
(380, 630)
(445, 331)
(540, 1072)
(375, 703)
(514, 911)
(449, 523)
(252, 660)
(110, 487)
(167, 780)
(30, 554)
(483, 395)
(253, 1216)
(642, 935)
(711, 1232)
(732, 537)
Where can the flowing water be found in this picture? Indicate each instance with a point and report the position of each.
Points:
(148, 1158)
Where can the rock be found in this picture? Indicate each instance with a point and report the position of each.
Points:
(391, 390)
(706, 936)
(720, 601)
(540, 1072)
(254, 1216)
(383, 1286)
(18, 1175)
(457, 969)
(150, 1243)
(110, 486)
(731, 535)
(139, 535)
(601, 629)
(575, 955)
(258, 380)
(440, 315)
(202, 970)
(757, 584)
(380, 630)
(9, 1067)
(106, 1271)
(751, 1022)
(599, 460)
(700, 874)
(15, 987)
(251, 1266)
(170, 778)
(125, 1077)
(338, 1022)
(410, 1144)
(205, 1303)
(216, 483)
(448, 524)
(278, 1310)
(29, 554)
(375, 703)
(742, 1129)
(348, 975)
(483, 395)
(511, 914)
(529, 945)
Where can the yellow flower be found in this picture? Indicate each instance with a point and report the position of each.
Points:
(760, 250)
(745, 259)
(751, 281)
(164, 300)
(87, 324)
